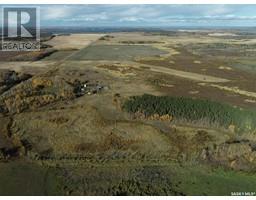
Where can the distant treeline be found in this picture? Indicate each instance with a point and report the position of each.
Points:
(193, 110)
(140, 42)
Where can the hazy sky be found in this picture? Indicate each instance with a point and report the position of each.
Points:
(148, 15)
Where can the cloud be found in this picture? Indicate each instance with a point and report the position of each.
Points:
(56, 12)
(146, 15)
(131, 19)
(220, 10)
(145, 11)
(89, 17)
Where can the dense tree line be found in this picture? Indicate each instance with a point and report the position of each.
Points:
(193, 110)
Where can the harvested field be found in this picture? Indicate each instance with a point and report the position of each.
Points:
(73, 41)
(187, 75)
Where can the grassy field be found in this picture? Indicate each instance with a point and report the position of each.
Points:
(115, 52)
(59, 55)
(91, 146)
(154, 179)
(21, 178)
(246, 64)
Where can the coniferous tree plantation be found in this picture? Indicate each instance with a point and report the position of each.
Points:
(193, 110)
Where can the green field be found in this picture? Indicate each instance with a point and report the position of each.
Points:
(245, 64)
(122, 179)
(22, 178)
(166, 179)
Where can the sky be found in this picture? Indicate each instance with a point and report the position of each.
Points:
(147, 15)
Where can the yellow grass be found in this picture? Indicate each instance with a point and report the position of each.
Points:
(73, 41)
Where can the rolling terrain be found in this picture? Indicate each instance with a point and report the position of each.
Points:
(130, 113)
